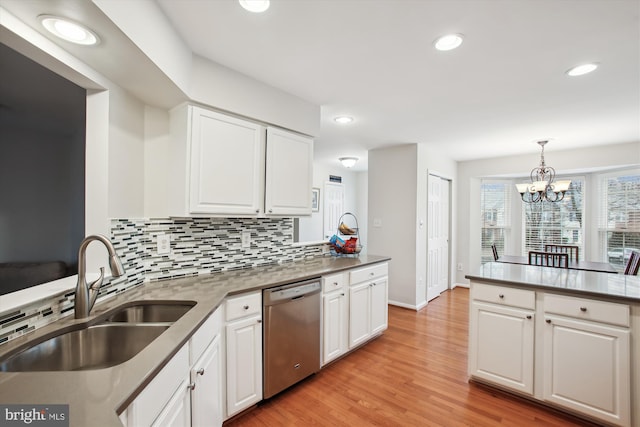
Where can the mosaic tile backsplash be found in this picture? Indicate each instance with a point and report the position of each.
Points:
(198, 246)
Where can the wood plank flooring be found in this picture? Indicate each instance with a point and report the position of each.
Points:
(415, 374)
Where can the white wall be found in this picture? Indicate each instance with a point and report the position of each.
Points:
(470, 172)
(126, 155)
(392, 206)
(397, 184)
(311, 228)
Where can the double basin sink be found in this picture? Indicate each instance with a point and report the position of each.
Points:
(113, 338)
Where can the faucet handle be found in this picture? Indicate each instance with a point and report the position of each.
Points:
(94, 286)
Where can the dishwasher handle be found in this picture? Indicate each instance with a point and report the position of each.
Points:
(290, 292)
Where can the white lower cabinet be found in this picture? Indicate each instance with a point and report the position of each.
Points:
(166, 397)
(243, 352)
(580, 348)
(188, 390)
(587, 364)
(335, 317)
(206, 381)
(501, 345)
(368, 298)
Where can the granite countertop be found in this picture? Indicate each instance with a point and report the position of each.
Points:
(96, 397)
(576, 282)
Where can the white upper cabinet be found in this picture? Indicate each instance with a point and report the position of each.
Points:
(217, 167)
(288, 173)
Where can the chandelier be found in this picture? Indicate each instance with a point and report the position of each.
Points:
(542, 187)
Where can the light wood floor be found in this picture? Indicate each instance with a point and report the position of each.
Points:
(415, 374)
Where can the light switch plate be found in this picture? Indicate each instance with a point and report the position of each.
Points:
(164, 244)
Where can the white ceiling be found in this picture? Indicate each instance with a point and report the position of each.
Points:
(502, 90)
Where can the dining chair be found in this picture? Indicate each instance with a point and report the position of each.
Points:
(549, 259)
(631, 269)
(571, 250)
(495, 252)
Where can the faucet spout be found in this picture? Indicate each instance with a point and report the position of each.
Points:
(86, 294)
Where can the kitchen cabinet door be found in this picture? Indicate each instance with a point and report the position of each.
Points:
(244, 363)
(379, 306)
(289, 173)
(206, 395)
(177, 413)
(587, 368)
(226, 164)
(335, 325)
(359, 314)
(501, 341)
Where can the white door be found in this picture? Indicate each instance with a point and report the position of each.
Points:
(437, 236)
(333, 207)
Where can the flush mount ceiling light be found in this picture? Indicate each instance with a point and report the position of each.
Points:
(343, 119)
(581, 70)
(69, 30)
(257, 6)
(542, 186)
(348, 162)
(448, 42)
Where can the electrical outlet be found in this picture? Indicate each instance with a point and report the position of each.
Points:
(459, 266)
(246, 239)
(164, 244)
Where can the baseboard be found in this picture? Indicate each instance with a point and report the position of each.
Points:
(460, 285)
(403, 305)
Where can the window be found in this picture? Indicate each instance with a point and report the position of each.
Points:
(495, 203)
(620, 216)
(555, 222)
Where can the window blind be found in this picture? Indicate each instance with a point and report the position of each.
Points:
(619, 220)
(495, 211)
(555, 222)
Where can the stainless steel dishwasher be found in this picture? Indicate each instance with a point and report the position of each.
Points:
(291, 334)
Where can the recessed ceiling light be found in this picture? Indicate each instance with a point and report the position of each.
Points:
(343, 119)
(448, 42)
(69, 30)
(257, 6)
(580, 70)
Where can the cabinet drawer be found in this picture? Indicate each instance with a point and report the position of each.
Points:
(504, 295)
(205, 334)
(333, 282)
(363, 274)
(587, 309)
(243, 305)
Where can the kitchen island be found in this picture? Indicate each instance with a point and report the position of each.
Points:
(98, 397)
(566, 338)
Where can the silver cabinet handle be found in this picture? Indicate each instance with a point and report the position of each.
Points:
(191, 386)
(501, 296)
(200, 371)
(259, 320)
(583, 309)
(528, 316)
(246, 307)
(257, 210)
(342, 294)
(270, 210)
(548, 320)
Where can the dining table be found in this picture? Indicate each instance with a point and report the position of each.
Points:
(603, 267)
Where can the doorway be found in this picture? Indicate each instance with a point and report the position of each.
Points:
(438, 234)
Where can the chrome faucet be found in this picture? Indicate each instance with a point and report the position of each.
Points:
(86, 294)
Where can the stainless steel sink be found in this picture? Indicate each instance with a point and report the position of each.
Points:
(151, 312)
(89, 347)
